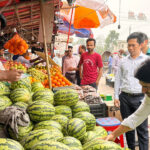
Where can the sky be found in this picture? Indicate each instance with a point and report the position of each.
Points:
(127, 26)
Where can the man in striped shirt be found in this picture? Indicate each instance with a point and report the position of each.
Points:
(128, 91)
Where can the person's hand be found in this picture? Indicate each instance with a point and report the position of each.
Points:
(97, 83)
(13, 75)
(110, 137)
(117, 102)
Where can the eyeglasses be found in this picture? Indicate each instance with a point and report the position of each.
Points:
(69, 51)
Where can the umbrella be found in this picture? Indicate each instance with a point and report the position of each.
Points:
(89, 14)
(83, 33)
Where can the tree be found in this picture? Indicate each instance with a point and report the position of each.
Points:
(111, 40)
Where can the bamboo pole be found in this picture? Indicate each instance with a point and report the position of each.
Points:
(45, 44)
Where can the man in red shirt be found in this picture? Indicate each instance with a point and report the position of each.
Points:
(92, 65)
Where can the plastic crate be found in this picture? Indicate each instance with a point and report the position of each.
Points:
(99, 110)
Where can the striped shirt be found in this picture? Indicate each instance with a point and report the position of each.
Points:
(124, 79)
(70, 62)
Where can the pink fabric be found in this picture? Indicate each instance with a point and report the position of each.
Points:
(70, 62)
(91, 63)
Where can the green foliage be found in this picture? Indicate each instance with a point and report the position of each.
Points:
(111, 40)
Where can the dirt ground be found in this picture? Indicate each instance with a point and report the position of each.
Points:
(105, 89)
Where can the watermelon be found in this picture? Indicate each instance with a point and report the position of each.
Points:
(98, 144)
(88, 118)
(9, 144)
(4, 102)
(56, 133)
(64, 110)
(40, 111)
(20, 95)
(21, 105)
(37, 86)
(72, 143)
(90, 135)
(22, 131)
(79, 107)
(48, 125)
(23, 83)
(35, 137)
(67, 97)
(50, 145)
(4, 90)
(100, 131)
(76, 128)
(44, 95)
(63, 120)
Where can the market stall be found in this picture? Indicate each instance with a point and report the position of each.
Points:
(43, 110)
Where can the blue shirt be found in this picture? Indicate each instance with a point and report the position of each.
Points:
(110, 61)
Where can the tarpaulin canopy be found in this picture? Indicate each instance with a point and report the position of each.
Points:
(83, 33)
(89, 14)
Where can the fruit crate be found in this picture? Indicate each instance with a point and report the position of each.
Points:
(99, 110)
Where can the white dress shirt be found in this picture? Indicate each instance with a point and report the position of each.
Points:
(139, 115)
(124, 79)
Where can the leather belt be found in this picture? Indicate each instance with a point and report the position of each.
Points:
(70, 73)
(133, 94)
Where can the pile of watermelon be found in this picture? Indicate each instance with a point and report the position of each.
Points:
(59, 121)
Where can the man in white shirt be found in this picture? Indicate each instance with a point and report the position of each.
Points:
(128, 91)
(134, 120)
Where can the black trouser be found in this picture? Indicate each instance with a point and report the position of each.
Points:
(71, 77)
(128, 105)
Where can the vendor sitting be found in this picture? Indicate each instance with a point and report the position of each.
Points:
(23, 59)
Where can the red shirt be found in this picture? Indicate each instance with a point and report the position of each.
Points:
(91, 63)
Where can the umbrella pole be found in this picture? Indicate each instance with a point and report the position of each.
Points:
(69, 27)
(45, 44)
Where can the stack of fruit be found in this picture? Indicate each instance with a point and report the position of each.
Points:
(10, 65)
(16, 45)
(59, 121)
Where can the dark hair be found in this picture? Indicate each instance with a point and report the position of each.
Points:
(143, 36)
(135, 35)
(143, 72)
(83, 47)
(70, 46)
(91, 39)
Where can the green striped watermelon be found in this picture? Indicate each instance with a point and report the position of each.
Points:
(9, 144)
(48, 125)
(76, 128)
(100, 131)
(67, 97)
(72, 143)
(98, 144)
(64, 110)
(37, 86)
(22, 132)
(56, 133)
(88, 118)
(23, 83)
(63, 120)
(44, 95)
(4, 102)
(90, 135)
(40, 111)
(50, 145)
(20, 95)
(21, 105)
(79, 107)
(4, 90)
(35, 137)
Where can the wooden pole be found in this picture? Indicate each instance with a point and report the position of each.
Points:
(45, 44)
